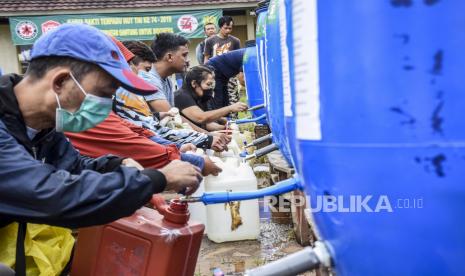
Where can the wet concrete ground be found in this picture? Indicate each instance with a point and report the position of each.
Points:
(234, 258)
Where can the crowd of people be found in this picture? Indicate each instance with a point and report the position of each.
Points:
(82, 141)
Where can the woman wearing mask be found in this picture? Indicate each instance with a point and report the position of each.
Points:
(193, 98)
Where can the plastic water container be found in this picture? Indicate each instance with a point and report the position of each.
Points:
(150, 242)
(252, 82)
(274, 71)
(379, 113)
(236, 146)
(198, 210)
(237, 220)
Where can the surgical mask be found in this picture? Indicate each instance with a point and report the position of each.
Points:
(93, 110)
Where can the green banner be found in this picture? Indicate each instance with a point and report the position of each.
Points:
(124, 26)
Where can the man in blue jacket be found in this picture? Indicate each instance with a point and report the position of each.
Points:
(74, 71)
(226, 66)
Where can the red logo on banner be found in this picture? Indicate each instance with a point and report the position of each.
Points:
(49, 25)
(26, 30)
(187, 23)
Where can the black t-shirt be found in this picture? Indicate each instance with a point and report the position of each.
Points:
(184, 99)
(216, 46)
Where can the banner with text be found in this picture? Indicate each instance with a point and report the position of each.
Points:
(127, 26)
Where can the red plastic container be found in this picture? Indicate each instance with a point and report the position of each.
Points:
(150, 242)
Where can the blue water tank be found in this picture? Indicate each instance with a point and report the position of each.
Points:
(285, 14)
(274, 73)
(379, 100)
(252, 82)
(261, 13)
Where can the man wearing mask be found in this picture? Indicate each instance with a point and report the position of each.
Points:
(119, 137)
(74, 71)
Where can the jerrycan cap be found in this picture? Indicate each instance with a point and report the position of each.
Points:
(175, 212)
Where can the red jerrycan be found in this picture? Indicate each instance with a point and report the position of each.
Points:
(150, 242)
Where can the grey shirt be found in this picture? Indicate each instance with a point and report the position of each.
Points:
(165, 86)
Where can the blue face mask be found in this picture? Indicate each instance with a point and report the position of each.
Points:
(93, 110)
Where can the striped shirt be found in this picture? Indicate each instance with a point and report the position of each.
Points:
(135, 109)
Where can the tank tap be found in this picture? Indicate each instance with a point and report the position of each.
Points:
(253, 108)
(262, 151)
(190, 199)
(260, 140)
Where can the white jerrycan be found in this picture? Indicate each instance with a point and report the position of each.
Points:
(232, 221)
(197, 210)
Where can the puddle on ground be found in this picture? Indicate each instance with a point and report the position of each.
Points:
(233, 258)
(273, 238)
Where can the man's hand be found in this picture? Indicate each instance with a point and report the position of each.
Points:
(238, 107)
(222, 121)
(188, 147)
(167, 114)
(210, 167)
(181, 177)
(220, 143)
(129, 162)
(225, 138)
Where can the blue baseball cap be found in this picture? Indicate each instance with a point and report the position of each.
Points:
(87, 43)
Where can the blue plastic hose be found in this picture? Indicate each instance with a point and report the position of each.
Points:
(252, 120)
(282, 187)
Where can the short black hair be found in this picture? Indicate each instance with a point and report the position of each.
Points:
(198, 74)
(225, 20)
(208, 23)
(38, 67)
(165, 42)
(141, 51)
